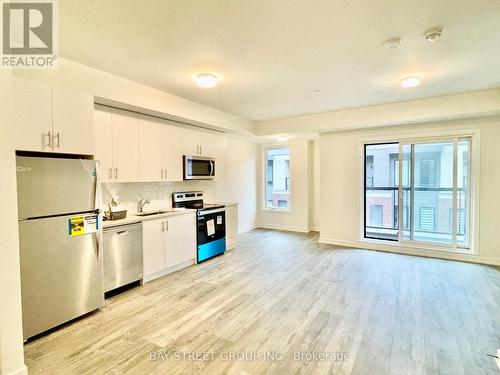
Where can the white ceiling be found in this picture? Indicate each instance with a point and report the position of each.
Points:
(273, 54)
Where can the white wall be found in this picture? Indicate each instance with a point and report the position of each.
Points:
(242, 169)
(11, 339)
(340, 186)
(297, 219)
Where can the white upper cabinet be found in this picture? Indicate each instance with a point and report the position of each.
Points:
(117, 145)
(103, 133)
(160, 153)
(173, 140)
(52, 119)
(33, 109)
(151, 150)
(125, 146)
(208, 144)
(73, 117)
(198, 142)
(135, 147)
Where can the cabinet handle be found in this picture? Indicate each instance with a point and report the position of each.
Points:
(58, 136)
(201, 150)
(166, 225)
(116, 172)
(165, 174)
(110, 173)
(49, 136)
(162, 174)
(163, 226)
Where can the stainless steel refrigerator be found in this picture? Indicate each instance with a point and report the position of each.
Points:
(61, 264)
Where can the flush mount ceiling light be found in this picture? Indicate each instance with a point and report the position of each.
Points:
(206, 80)
(411, 81)
(433, 34)
(392, 43)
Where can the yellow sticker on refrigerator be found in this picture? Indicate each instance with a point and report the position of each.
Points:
(84, 224)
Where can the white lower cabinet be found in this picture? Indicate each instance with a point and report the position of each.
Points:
(169, 243)
(153, 246)
(231, 226)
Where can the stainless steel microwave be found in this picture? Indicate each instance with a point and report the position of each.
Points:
(198, 167)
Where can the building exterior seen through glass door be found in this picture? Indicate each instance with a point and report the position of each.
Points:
(430, 202)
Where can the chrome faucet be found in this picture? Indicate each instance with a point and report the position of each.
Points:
(141, 203)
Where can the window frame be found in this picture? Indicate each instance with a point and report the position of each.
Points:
(472, 219)
(264, 162)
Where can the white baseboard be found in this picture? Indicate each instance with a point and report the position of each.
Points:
(20, 371)
(412, 251)
(246, 229)
(284, 227)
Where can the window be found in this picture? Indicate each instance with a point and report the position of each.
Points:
(428, 172)
(277, 179)
(427, 219)
(376, 215)
(430, 203)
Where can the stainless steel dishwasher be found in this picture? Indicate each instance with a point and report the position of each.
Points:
(122, 248)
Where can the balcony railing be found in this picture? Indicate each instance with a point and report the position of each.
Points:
(386, 226)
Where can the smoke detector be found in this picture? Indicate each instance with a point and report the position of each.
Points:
(433, 34)
(392, 43)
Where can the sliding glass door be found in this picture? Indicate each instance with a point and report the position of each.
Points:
(430, 201)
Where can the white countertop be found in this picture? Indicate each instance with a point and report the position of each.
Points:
(131, 218)
(224, 203)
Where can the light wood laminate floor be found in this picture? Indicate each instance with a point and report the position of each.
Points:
(283, 293)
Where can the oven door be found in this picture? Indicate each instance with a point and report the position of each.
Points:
(211, 233)
(198, 168)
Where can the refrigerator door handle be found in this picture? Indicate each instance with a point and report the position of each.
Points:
(97, 206)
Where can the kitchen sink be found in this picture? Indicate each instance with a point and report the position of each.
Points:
(151, 213)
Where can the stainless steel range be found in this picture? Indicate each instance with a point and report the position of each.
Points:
(211, 223)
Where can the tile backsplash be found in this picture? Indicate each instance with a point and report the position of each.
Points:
(159, 193)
